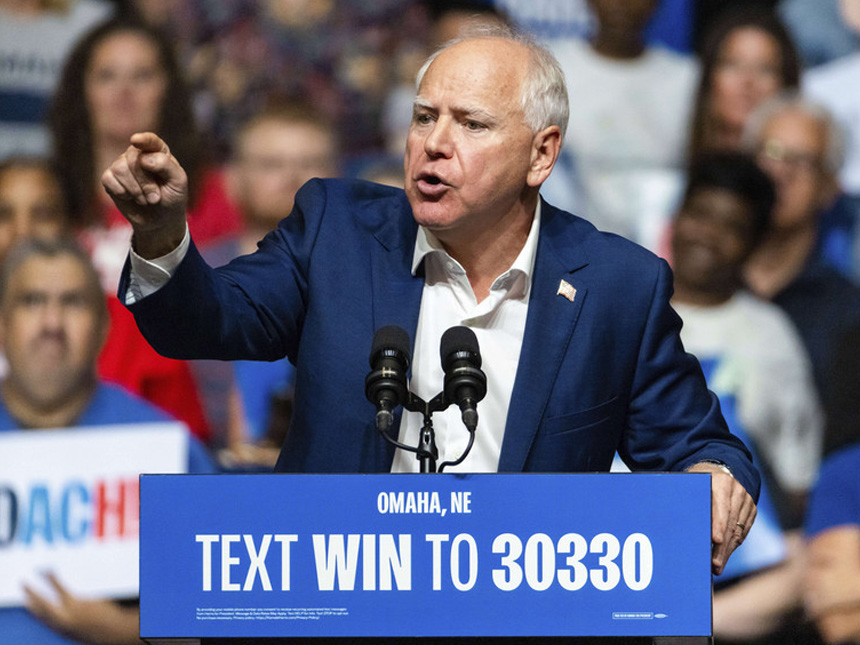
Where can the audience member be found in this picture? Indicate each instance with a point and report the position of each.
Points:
(798, 144)
(755, 362)
(759, 358)
(120, 78)
(747, 56)
(53, 321)
(627, 136)
(832, 590)
(35, 38)
(31, 202)
(31, 206)
(278, 150)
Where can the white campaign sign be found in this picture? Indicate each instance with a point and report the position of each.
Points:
(69, 504)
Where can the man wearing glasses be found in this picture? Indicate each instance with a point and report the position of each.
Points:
(799, 145)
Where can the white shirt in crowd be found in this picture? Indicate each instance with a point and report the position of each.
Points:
(761, 361)
(627, 137)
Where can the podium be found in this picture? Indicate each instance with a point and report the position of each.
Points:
(383, 558)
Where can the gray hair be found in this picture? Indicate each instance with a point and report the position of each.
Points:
(544, 98)
(834, 153)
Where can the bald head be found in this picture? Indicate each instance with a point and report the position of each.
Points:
(486, 66)
(543, 93)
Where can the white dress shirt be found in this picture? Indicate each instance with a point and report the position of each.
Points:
(498, 321)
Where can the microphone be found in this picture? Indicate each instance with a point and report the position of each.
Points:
(385, 386)
(465, 382)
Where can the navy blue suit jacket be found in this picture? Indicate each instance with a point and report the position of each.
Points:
(601, 373)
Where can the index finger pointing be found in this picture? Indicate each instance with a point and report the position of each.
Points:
(148, 142)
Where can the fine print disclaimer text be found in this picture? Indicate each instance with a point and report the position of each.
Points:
(269, 613)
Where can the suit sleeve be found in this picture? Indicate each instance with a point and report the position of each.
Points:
(674, 421)
(253, 308)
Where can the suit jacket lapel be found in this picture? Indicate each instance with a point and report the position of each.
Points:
(396, 295)
(551, 319)
(396, 292)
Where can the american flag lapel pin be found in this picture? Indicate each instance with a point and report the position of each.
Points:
(567, 290)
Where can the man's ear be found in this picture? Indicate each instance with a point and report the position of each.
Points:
(546, 146)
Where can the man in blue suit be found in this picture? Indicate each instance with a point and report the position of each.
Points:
(581, 347)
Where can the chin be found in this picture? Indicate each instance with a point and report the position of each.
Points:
(433, 221)
(432, 215)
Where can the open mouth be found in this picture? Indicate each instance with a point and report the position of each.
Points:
(432, 180)
(431, 185)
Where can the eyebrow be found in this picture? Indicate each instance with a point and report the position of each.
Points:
(420, 103)
(461, 111)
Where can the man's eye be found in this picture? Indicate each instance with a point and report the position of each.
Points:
(422, 119)
(475, 126)
(31, 299)
(76, 301)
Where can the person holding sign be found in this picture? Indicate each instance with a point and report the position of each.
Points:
(581, 346)
(53, 320)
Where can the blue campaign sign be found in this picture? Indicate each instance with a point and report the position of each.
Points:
(425, 555)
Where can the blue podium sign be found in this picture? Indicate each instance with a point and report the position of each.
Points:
(425, 555)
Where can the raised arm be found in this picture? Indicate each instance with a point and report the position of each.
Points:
(150, 189)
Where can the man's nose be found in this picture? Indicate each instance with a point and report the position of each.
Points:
(53, 316)
(711, 230)
(438, 142)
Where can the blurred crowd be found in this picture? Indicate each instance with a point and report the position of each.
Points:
(723, 135)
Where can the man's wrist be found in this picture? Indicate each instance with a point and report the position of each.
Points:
(719, 465)
(155, 244)
(148, 276)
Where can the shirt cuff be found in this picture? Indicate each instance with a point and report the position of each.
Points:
(148, 276)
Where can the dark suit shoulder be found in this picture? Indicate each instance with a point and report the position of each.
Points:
(356, 204)
(578, 241)
(368, 199)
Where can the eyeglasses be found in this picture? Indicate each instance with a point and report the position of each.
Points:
(795, 160)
